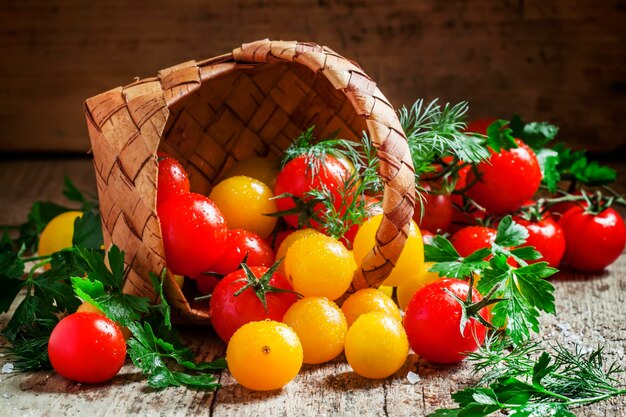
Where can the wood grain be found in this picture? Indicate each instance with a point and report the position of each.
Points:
(591, 310)
(547, 59)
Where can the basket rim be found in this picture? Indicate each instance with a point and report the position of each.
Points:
(175, 83)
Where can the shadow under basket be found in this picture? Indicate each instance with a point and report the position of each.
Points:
(209, 114)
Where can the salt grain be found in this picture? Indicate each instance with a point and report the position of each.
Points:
(413, 377)
(7, 368)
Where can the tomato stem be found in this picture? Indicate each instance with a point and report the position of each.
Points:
(35, 267)
(36, 258)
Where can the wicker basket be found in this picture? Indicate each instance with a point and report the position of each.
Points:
(209, 114)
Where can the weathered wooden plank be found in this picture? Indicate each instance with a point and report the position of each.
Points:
(547, 59)
(591, 312)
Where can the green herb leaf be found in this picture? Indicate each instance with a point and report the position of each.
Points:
(500, 136)
(56, 290)
(11, 264)
(548, 162)
(28, 313)
(525, 291)
(510, 233)
(149, 353)
(88, 231)
(123, 308)
(10, 289)
(535, 134)
(163, 307)
(526, 387)
(29, 351)
(574, 165)
(434, 131)
(97, 270)
(448, 262)
(11, 271)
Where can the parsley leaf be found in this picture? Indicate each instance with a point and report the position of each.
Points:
(510, 233)
(548, 163)
(88, 231)
(150, 353)
(535, 134)
(163, 306)
(575, 165)
(500, 136)
(448, 262)
(96, 268)
(526, 292)
(103, 287)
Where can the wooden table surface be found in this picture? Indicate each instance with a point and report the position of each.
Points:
(590, 310)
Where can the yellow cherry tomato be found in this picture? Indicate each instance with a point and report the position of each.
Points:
(387, 290)
(244, 202)
(264, 355)
(411, 259)
(319, 265)
(262, 169)
(368, 300)
(180, 280)
(320, 326)
(376, 345)
(86, 307)
(286, 244)
(58, 233)
(405, 292)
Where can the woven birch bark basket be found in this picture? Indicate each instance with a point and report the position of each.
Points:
(209, 114)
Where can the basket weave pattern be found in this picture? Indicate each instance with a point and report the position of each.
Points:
(210, 114)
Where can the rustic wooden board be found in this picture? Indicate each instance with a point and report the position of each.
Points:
(547, 59)
(591, 312)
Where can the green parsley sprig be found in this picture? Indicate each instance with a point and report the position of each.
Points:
(154, 347)
(47, 296)
(523, 289)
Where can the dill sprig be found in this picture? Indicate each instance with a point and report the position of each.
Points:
(524, 380)
(354, 205)
(434, 131)
(315, 151)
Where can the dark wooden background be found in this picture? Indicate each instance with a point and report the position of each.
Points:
(557, 60)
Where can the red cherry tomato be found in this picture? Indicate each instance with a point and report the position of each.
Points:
(240, 243)
(507, 180)
(194, 232)
(479, 126)
(280, 237)
(432, 322)
(87, 347)
(438, 210)
(206, 283)
(229, 311)
(547, 237)
(471, 238)
(303, 174)
(172, 179)
(462, 218)
(592, 241)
